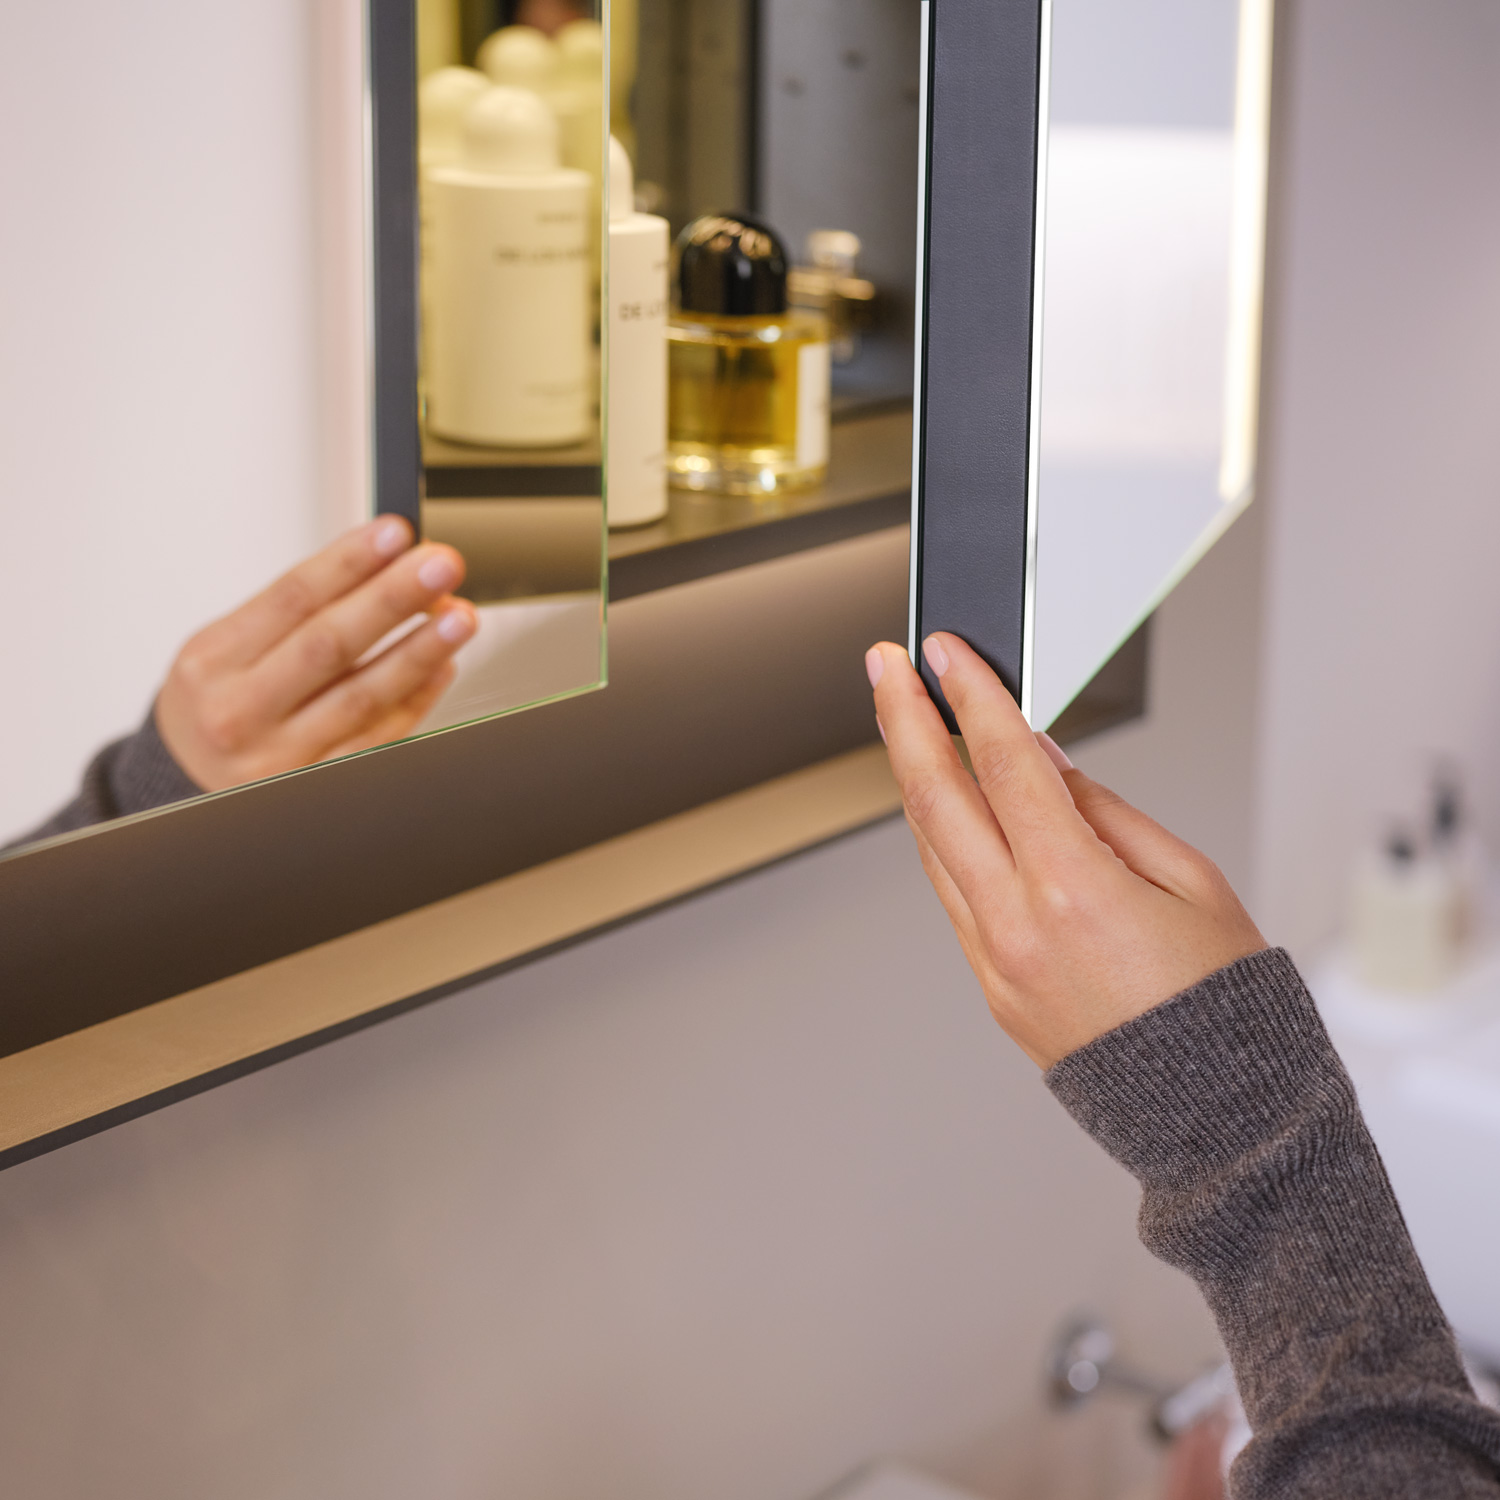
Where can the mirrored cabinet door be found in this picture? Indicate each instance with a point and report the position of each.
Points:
(1092, 240)
(511, 163)
(301, 444)
(1155, 183)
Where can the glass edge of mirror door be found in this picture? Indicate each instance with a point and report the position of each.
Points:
(392, 272)
(1243, 359)
(1243, 363)
(1038, 311)
(919, 325)
(1254, 68)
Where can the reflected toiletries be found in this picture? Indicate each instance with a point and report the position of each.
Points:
(639, 288)
(508, 288)
(828, 284)
(749, 376)
(520, 57)
(443, 102)
(579, 95)
(568, 73)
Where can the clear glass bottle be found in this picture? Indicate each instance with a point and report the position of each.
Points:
(749, 376)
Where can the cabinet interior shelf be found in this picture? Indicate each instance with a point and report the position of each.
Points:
(868, 489)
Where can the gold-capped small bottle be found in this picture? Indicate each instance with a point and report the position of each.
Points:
(749, 375)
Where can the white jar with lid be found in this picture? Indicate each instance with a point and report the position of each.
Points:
(508, 340)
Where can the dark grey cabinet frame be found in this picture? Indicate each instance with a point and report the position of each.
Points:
(395, 257)
(984, 106)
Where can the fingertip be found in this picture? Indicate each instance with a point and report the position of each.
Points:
(458, 622)
(460, 563)
(885, 658)
(390, 535)
(1055, 752)
(934, 651)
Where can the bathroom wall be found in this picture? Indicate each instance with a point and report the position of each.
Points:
(725, 1203)
(1382, 641)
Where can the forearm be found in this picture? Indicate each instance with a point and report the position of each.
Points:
(131, 775)
(1261, 1181)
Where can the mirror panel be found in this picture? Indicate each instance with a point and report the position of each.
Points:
(1154, 212)
(188, 417)
(512, 152)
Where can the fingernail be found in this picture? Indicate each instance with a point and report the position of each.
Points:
(881, 728)
(456, 625)
(1055, 751)
(439, 572)
(391, 537)
(937, 658)
(874, 666)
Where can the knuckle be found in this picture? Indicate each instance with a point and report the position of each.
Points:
(360, 702)
(920, 794)
(1025, 957)
(1059, 903)
(191, 668)
(1064, 902)
(1210, 882)
(294, 597)
(224, 727)
(993, 764)
(323, 650)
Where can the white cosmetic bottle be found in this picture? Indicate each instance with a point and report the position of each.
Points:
(580, 114)
(520, 57)
(639, 292)
(443, 102)
(508, 340)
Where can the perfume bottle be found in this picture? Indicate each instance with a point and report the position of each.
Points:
(830, 284)
(748, 375)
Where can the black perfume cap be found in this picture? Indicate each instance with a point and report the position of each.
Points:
(732, 266)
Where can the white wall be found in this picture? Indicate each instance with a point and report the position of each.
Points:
(158, 362)
(1383, 458)
(722, 1204)
(1304, 708)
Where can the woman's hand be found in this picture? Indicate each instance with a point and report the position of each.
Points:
(281, 683)
(1076, 912)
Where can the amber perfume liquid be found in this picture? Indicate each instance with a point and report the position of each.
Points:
(748, 402)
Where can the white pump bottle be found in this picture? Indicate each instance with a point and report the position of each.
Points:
(639, 288)
(508, 341)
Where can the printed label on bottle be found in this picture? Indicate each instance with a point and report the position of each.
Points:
(814, 374)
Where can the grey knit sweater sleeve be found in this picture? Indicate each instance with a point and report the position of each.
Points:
(1261, 1181)
(131, 775)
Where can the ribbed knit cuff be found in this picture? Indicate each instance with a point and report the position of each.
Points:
(1189, 1087)
(143, 775)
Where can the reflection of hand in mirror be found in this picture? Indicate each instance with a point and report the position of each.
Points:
(288, 679)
